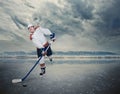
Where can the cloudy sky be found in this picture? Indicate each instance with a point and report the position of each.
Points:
(82, 25)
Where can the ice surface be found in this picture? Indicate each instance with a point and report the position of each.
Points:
(62, 77)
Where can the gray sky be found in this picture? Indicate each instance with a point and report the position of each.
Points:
(79, 24)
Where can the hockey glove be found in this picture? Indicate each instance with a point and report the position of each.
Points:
(52, 37)
(43, 51)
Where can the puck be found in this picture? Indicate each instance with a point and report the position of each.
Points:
(24, 85)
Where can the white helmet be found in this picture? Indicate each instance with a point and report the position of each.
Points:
(29, 25)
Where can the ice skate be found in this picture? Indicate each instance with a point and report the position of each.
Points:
(42, 71)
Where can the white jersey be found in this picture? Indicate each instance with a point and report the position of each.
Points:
(38, 37)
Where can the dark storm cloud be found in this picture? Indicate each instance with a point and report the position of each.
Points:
(107, 33)
(110, 25)
(19, 23)
(81, 9)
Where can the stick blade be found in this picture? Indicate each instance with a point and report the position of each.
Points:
(16, 81)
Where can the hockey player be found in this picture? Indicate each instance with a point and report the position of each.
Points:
(37, 35)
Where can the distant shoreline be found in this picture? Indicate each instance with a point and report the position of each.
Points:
(65, 57)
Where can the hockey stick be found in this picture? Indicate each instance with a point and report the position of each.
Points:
(21, 80)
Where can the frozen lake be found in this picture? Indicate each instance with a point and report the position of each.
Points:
(81, 76)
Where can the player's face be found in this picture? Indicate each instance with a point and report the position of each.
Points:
(31, 29)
